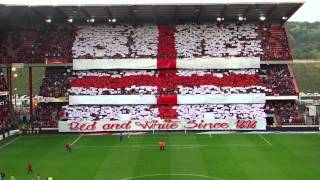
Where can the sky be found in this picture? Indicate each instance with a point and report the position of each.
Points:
(310, 11)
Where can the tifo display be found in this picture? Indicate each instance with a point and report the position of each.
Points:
(142, 42)
(229, 83)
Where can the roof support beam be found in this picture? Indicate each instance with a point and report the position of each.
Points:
(9, 16)
(38, 13)
(61, 13)
(155, 14)
(85, 12)
(199, 9)
(132, 13)
(176, 13)
(224, 10)
(108, 12)
(270, 11)
(293, 10)
(247, 11)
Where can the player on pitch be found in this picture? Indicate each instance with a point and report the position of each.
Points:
(162, 145)
(30, 168)
(68, 147)
(121, 136)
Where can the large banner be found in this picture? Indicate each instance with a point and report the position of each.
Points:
(3, 100)
(51, 99)
(3, 93)
(257, 98)
(156, 125)
(185, 63)
(219, 63)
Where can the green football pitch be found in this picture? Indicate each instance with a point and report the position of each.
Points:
(187, 157)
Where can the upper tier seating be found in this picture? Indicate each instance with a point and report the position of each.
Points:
(124, 41)
(210, 40)
(121, 41)
(206, 40)
(37, 45)
(275, 44)
(143, 41)
(55, 82)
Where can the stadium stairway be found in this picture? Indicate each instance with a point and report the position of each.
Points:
(293, 79)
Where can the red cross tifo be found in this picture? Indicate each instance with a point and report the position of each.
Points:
(166, 60)
(167, 80)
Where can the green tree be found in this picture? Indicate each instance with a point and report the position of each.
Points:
(305, 39)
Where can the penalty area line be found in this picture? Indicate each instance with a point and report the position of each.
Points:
(265, 140)
(172, 174)
(76, 140)
(10, 142)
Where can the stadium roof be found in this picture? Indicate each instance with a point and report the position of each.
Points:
(148, 10)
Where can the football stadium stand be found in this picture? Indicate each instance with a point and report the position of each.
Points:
(4, 111)
(3, 84)
(166, 69)
(4, 119)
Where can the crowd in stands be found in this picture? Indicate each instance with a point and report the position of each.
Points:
(5, 123)
(120, 41)
(4, 118)
(211, 40)
(275, 43)
(143, 41)
(47, 115)
(26, 45)
(151, 112)
(163, 82)
(3, 84)
(272, 80)
(89, 113)
(189, 40)
(125, 41)
(279, 79)
(151, 41)
(286, 112)
(55, 82)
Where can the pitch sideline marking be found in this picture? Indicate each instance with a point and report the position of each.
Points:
(265, 140)
(76, 140)
(169, 146)
(173, 174)
(10, 142)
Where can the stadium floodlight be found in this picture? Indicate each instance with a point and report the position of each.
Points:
(90, 20)
(48, 20)
(262, 18)
(109, 20)
(70, 20)
(284, 18)
(240, 18)
(114, 20)
(220, 19)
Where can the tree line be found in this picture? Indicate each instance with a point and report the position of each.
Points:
(305, 39)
